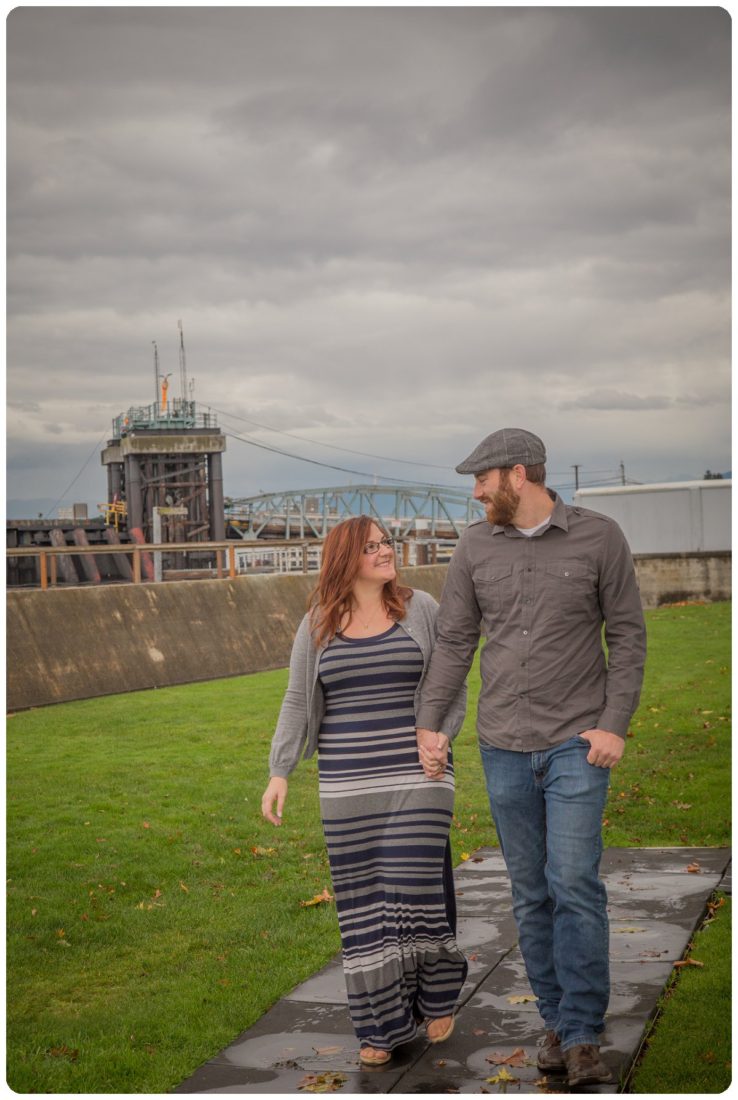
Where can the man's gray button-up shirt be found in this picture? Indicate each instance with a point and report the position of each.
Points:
(541, 602)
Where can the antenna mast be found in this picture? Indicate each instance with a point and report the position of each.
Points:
(182, 362)
(156, 372)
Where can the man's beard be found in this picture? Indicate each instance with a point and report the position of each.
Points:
(502, 505)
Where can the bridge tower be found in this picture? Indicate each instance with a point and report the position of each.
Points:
(167, 456)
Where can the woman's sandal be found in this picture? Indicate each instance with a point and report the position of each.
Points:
(369, 1056)
(444, 1035)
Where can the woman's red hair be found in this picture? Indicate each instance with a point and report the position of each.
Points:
(331, 600)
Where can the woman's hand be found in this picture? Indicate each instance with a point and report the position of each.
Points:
(276, 790)
(433, 752)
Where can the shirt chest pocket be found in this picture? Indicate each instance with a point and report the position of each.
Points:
(493, 585)
(569, 584)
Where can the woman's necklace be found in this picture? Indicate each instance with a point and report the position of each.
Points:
(371, 618)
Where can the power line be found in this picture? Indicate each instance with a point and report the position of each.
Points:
(79, 475)
(330, 466)
(331, 446)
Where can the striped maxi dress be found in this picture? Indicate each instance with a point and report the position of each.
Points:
(386, 828)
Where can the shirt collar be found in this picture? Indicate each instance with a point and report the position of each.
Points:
(558, 519)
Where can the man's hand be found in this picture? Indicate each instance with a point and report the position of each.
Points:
(275, 792)
(433, 752)
(607, 748)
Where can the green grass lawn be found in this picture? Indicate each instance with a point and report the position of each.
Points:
(688, 1049)
(153, 914)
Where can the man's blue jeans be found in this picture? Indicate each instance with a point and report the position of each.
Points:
(547, 807)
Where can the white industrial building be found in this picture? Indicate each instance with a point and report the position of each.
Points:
(677, 517)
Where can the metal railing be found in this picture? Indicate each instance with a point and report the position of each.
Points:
(227, 555)
(142, 555)
(175, 414)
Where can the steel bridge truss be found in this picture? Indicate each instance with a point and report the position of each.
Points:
(409, 511)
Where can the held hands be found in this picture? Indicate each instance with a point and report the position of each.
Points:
(433, 752)
(607, 748)
(276, 790)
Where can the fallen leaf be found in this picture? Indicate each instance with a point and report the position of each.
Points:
(322, 1082)
(64, 1052)
(652, 954)
(503, 1075)
(478, 859)
(472, 958)
(478, 1031)
(517, 1058)
(185, 888)
(318, 899)
(682, 805)
(688, 962)
(34, 912)
(328, 1050)
(694, 868)
(465, 856)
(440, 1063)
(628, 931)
(145, 825)
(521, 998)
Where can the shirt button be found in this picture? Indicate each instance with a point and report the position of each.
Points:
(566, 574)
(525, 632)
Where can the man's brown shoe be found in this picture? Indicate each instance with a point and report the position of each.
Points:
(550, 1057)
(584, 1066)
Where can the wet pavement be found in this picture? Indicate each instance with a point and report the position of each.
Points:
(657, 897)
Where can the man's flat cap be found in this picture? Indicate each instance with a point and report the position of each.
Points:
(507, 447)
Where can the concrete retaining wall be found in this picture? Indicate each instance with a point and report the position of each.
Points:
(668, 578)
(78, 643)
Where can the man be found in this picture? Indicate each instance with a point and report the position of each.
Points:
(539, 578)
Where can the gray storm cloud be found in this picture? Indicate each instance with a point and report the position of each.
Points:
(385, 229)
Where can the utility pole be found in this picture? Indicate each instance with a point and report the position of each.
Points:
(622, 472)
(576, 469)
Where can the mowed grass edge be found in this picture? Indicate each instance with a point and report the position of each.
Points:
(153, 915)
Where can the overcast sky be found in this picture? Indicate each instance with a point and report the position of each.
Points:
(391, 230)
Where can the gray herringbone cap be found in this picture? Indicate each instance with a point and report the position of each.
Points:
(507, 447)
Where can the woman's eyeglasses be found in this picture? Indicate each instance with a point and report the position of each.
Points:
(373, 547)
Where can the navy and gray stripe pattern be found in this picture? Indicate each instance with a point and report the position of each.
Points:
(386, 828)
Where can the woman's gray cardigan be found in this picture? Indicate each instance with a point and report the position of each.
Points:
(303, 705)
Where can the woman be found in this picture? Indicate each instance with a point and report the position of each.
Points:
(358, 659)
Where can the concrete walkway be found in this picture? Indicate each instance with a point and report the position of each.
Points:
(655, 904)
